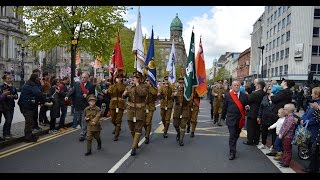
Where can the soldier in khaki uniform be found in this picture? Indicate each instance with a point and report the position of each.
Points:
(117, 103)
(181, 112)
(218, 94)
(150, 108)
(92, 115)
(194, 112)
(166, 104)
(136, 108)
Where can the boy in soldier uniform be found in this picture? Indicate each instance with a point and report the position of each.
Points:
(92, 116)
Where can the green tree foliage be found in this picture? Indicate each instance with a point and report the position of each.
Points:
(126, 41)
(94, 27)
(222, 74)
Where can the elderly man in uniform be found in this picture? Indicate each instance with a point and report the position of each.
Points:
(136, 109)
(218, 94)
(181, 112)
(166, 104)
(117, 103)
(92, 115)
(150, 108)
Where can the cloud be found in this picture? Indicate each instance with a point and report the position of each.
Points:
(224, 28)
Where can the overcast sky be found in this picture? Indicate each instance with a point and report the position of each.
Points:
(223, 28)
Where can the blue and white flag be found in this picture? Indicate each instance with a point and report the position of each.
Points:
(171, 67)
(150, 63)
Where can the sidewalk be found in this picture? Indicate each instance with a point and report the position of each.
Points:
(17, 130)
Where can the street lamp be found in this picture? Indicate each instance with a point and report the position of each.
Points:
(22, 54)
(262, 48)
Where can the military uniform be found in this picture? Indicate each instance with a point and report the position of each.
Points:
(117, 106)
(92, 117)
(136, 110)
(194, 112)
(166, 105)
(150, 108)
(181, 112)
(218, 94)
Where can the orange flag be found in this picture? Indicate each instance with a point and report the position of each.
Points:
(201, 72)
(117, 56)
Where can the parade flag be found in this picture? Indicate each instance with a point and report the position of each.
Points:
(190, 79)
(201, 89)
(137, 48)
(171, 67)
(117, 55)
(150, 63)
(145, 45)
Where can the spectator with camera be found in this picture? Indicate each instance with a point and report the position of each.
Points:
(62, 92)
(29, 99)
(7, 104)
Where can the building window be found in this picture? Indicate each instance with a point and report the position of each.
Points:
(314, 68)
(277, 56)
(284, 8)
(280, 70)
(270, 45)
(279, 11)
(273, 57)
(271, 32)
(267, 34)
(315, 31)
(281, 54)
(286, 53)
(272, 72)
(288, 19)
(276, 71)
(283, 23)
(315, 50)
(268, 22)
(279, 25)
(270, 59)
(282, 38)
(3, 11)
(278, 41)
(288, 36)
(266, 60)
(274, 44)
(275, 15)
(285, 70)
(316, 13)
(267, 47)
(274, 29)
(271, 18)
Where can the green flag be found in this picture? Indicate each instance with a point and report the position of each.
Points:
(190, 79)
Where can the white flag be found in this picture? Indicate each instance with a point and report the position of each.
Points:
(171, 67)
(138, 48)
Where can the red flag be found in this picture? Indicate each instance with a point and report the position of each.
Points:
(117, 56)
(201, 72)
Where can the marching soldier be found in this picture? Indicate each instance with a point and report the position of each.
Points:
(181, 112)
(218, 94)
(117, 103)
(166, 104)
(136, 109)
(92, 116)
(194, 112)
(150, 108)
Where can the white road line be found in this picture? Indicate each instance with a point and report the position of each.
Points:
(127, 155)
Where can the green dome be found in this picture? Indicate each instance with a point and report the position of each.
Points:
(176, 24)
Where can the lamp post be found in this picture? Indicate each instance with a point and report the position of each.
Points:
(22, 54)
(262, 48)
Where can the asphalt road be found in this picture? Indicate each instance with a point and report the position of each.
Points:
(206, 153)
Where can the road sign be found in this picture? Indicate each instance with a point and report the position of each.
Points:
(74, 41)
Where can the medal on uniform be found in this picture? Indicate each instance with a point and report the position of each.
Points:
(117, 110)
(134, 119)
(165, 108)
(147, 110)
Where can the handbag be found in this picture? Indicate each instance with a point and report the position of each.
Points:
(302, 136)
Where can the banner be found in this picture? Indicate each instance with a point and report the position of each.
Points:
(201, 89)
(150, 63)
(171, 67)
(137, 48)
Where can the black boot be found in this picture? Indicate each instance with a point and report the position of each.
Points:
(178, 134)
(192, 134)
(133, 151)
(147, 140)
(99, 144)
(188, 129)
(181, 138)
(165, 135)
(88, 153)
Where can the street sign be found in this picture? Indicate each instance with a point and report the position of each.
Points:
(74, 41)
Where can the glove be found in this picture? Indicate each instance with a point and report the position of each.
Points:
(49, 104)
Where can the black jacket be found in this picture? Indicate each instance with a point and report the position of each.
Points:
(254, 100)
(79, 102)
(283, 97)
(230, 111)
(267, 112)
(30, 96)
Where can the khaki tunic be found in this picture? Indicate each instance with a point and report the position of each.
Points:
(166, 97)
(218, 100)
(116, 91)
(136, 102)
(151, 98)
(93, 113)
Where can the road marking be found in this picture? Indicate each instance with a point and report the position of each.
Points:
(29, 145)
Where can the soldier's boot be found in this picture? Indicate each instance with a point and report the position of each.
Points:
(182, 132)
(278, 156)
(188, 128)
(219, 122)
(166, 127)
(135, 143)
(178, 134)
(148, 130)
(211, 113)
(89, 142)
(99, 144)
(117, 133)
(194, 124)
